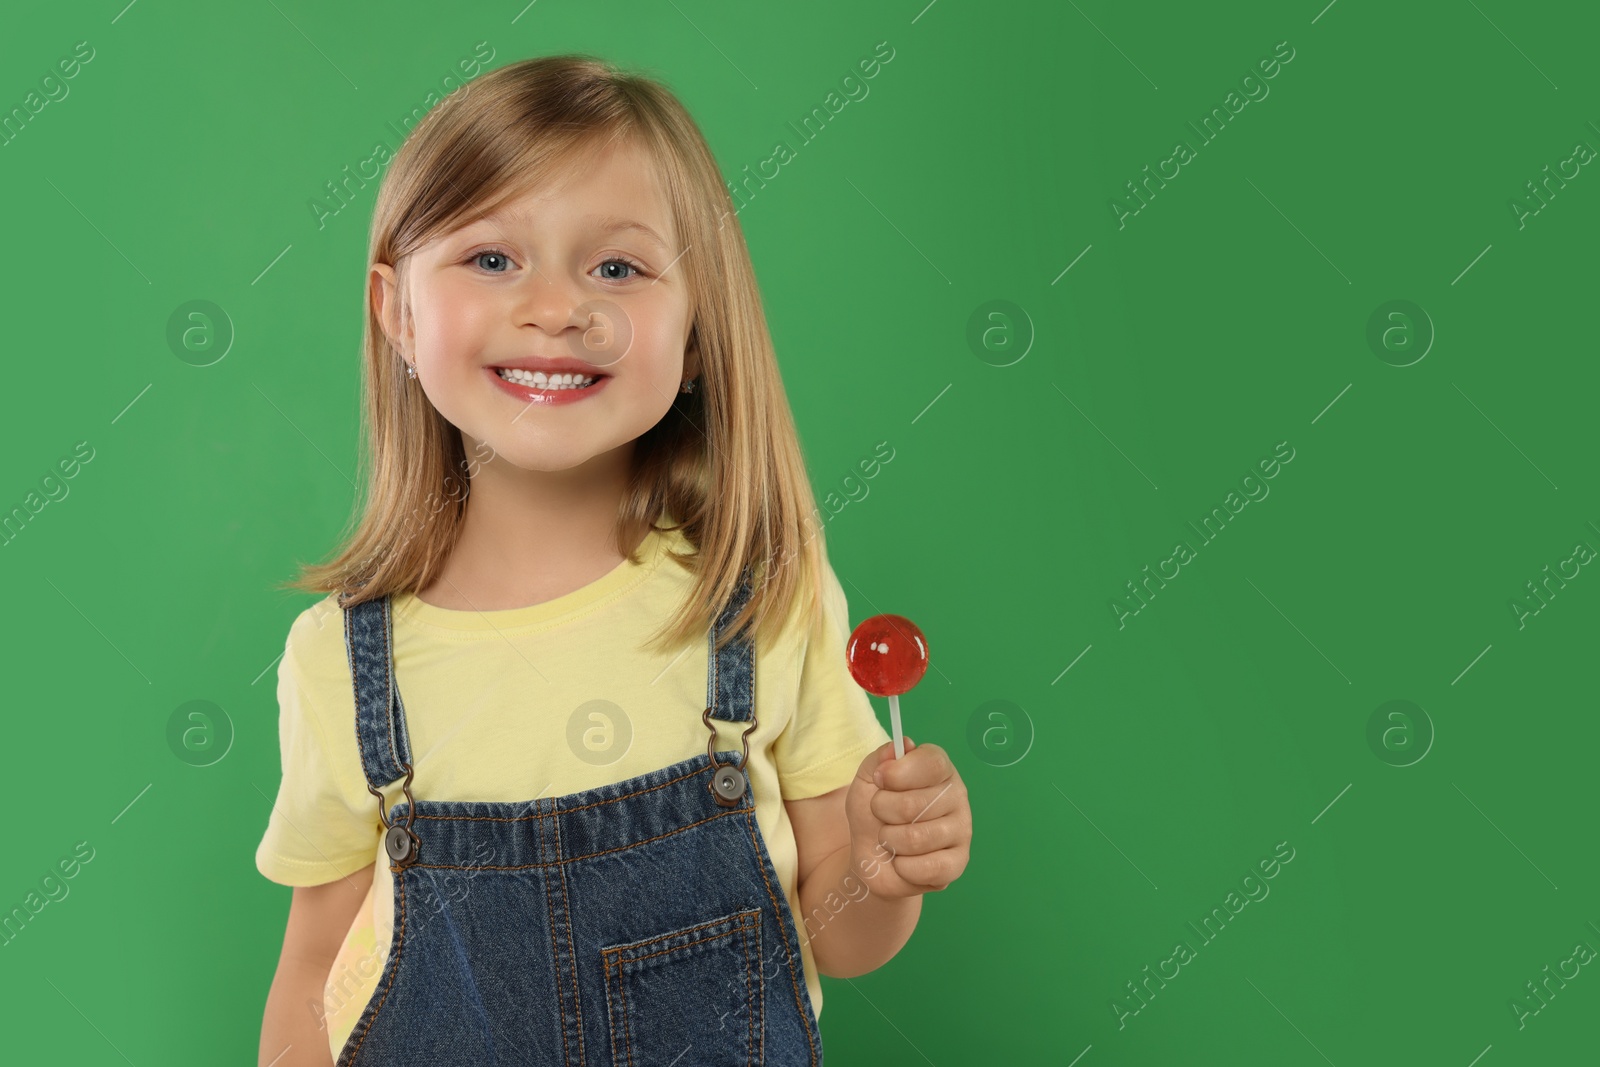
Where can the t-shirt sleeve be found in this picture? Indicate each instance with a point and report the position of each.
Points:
(834, 725)
(324, 824)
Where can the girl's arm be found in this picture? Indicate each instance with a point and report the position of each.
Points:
(293, 1028)
(851, 930)
(870, 849)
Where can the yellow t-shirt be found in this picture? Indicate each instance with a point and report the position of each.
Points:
(498, 708)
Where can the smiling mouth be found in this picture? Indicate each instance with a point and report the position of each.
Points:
(548, 382)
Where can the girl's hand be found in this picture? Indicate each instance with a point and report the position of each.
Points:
(911, 834)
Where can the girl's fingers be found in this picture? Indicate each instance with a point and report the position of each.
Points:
(919, 805)
(921, 766)
(922, 837)
(874, 761)
(932, 872)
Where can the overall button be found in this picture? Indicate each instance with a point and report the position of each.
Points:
(729, 784)
(399, 844)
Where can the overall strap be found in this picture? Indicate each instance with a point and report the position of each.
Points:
(380, 716)
(730, 673)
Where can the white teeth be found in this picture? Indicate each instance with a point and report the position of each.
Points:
(540, 380)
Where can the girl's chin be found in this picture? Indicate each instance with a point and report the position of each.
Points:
(536, 454)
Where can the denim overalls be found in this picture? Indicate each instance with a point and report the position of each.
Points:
(637, 924)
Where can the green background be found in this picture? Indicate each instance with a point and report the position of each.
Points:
(1115, 802)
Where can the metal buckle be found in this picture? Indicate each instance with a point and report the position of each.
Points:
(410, 855)
(716, 768)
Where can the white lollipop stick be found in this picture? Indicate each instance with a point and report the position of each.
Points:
(894, 720)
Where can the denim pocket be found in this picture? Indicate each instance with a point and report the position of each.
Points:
(692, 995)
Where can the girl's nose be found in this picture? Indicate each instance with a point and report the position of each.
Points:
(550, 301)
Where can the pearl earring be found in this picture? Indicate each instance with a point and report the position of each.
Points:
(411, 370)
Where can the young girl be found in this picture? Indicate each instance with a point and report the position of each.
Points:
(574, 771)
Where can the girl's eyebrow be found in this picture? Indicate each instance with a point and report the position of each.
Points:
(610, 224)
(606, 224)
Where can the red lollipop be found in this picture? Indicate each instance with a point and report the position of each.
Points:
(888, 656)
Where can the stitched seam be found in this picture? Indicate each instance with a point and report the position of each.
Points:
(597, 803)
(574, 859)
(679, 948)
(716, 672)
(788, 956)
(758, 1018)
(611, 1017)
(563, 811)
(863, 748)
(619, 949)
(749, 1040)
(572, 955)
(648, 567)
(361, 859)
(399, 946)
(388, 666)
(555, 958)
(403, 729)
(355, 686)
(627, 1023)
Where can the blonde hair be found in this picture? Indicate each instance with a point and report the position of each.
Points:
(725, 461)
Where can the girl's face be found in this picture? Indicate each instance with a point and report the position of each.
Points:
(577, 273)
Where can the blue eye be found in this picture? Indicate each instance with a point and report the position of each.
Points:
(637, 270)
(491, 252)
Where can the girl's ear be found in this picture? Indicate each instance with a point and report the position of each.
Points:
(385, 296)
